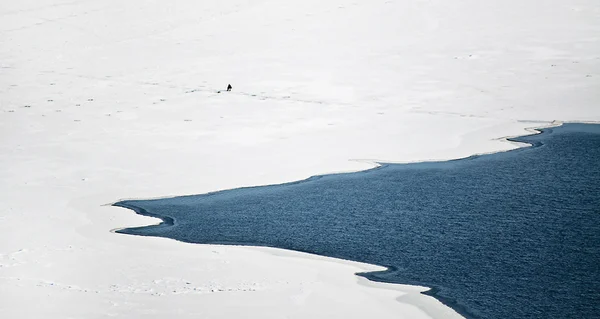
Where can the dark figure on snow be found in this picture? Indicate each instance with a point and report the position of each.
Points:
(229, 87)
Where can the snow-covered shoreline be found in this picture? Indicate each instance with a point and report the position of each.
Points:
(104, 100)
(171, 256)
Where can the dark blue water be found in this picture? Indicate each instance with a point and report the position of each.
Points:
(507, 235)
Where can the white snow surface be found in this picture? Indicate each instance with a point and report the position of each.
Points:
(108, 100)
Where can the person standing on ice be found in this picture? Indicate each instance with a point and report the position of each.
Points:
(229, 87)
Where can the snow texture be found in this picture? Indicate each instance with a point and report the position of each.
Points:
(108, 100)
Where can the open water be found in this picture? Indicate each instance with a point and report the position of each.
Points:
(507, 235)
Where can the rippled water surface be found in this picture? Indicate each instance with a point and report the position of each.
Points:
(507, 235)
